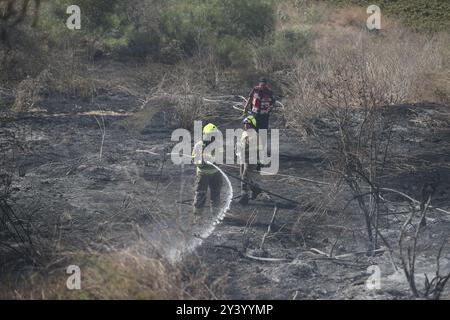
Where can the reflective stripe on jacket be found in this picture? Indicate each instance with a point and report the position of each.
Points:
(200, 157)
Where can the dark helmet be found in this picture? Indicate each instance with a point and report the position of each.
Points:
(263, 81)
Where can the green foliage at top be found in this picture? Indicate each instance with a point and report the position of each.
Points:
(197, 23)
(169, 29)
(422, 15)
(103, 24)
(97, 15)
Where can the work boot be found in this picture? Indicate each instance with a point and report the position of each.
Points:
(244, 200)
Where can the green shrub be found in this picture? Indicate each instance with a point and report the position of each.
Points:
(188, 23)
(201, 23)
(97, 16)
(277, 51)
(247, 19)
(292, 42)
(108, 27)
(233, 52)
(142, 44)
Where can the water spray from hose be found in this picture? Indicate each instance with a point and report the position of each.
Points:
(176, 252)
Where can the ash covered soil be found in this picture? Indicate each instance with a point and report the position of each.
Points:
(132, 192)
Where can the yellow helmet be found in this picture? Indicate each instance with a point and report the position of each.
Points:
(209, 129)
(250, 120)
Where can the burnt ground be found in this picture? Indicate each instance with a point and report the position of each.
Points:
(420, 155)
(76, 200)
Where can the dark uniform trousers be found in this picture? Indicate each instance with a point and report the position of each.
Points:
(249, 183)
(262, 120)
(202, 183)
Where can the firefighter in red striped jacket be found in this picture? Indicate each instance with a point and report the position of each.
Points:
(261, 101)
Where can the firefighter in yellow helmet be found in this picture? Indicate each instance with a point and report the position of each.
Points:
(208, 177)
(248, 170)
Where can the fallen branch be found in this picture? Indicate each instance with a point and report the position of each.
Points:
(148, 152)
(412, 199)
(358, 253)
(252, 257)
(248, 255)
(342, 256)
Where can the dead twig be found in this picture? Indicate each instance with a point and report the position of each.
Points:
(435, 287)
(269, 227)
(102, 127)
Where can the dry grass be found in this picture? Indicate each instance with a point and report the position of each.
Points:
(291, 14)
(141, 119)
(349, 17)
(121, 274)
(26, 95)
(434, 87)
(177, 101)
(356, 17)
(344, 88)
(70, 77)
(189, 105)
(65, 76)
(367, 61)
(77, 86)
